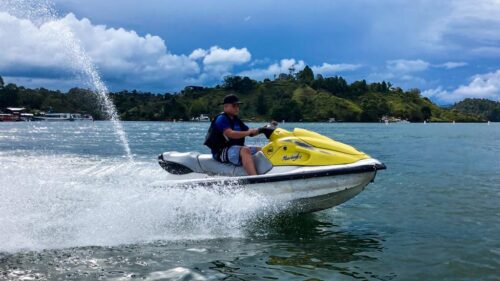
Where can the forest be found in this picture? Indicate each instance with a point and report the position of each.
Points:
(299, 97)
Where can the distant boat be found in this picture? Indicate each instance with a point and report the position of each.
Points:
(82, 117)
(391, 119)
(26, 117)
(201, 118)
(57, 117)
(6, 117)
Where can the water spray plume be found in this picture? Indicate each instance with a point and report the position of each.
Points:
(43, 12)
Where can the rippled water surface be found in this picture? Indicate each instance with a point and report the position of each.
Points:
(73, 207)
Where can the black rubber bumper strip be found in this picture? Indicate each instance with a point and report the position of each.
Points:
(301, 176)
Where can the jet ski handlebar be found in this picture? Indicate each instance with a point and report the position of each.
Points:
(268, 129)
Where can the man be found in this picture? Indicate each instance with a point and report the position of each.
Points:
(226, 137)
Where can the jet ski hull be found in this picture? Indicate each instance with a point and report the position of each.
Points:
(311, 194)
(328, 192)
(302, 190)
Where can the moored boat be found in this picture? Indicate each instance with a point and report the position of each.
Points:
(57, 117)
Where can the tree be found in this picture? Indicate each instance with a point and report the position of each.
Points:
(359, 87)
(414, 94)
(238, 84)
(1, 82)
(9, 96)
(379, 87)
(426, 112)
(174, 109)
(494, 116)
(198, 107)
(335, 85)
(288, 111)
(306, 75)
(261, 106)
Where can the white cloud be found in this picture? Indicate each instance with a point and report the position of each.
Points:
(233, 55)
(481, 86)
(451, 65)
(328, 69)
(284, 66)
(34, 53)
(218, 62)
(120, 55)
(274, 69)
(123, 57)
(23, 45)
(406, 66)
(198, 54)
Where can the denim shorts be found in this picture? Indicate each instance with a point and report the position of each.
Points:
(233, 153)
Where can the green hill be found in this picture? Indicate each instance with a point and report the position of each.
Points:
(486, 109)
(300, 97)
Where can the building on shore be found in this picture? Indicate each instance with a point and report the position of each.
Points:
(14, 114)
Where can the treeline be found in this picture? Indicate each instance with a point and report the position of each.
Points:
(487, 109)
(290, 97)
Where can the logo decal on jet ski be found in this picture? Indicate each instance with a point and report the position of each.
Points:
(292, 157)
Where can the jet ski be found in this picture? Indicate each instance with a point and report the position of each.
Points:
(307, 170)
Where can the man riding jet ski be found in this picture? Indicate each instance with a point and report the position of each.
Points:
(226, 137)
(308, 170)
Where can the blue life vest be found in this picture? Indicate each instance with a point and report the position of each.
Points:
(216, 140)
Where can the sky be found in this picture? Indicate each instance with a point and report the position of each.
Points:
(450, 50)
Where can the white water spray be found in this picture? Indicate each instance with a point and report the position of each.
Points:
(42, 12)
(59, 201)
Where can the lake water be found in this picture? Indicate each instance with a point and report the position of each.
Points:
(72, 207)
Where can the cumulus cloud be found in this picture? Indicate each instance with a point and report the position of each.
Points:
(120, 55)
(38, 53)
(233, 55)
(218, 62)
(407, 66)
(25, 46)
(481, 86)
(123, 57)
(198, 54)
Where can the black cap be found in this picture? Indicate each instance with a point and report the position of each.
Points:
(232, 99)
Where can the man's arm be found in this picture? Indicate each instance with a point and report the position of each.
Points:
(230, 133)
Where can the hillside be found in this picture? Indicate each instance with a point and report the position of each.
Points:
(486, 109)
(300, 97)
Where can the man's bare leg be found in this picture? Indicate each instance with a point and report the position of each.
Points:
(247, 161)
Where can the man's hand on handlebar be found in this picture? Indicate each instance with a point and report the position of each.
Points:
(253, 132)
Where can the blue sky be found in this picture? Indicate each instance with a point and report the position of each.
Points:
(448, 49)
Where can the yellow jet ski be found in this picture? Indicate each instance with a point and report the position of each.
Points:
(304, 168)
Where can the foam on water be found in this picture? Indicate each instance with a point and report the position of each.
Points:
(42, 13)
(54, 201)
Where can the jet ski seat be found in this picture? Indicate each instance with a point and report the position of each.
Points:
(187, 162)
